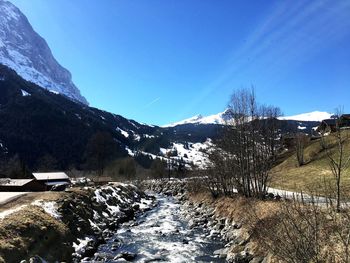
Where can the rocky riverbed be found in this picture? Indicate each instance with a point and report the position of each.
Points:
(235, 239)
(120, 223)
(163, 234)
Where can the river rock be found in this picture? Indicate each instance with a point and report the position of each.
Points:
(126, 255)
(222, 253)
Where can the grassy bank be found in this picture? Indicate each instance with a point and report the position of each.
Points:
(32, 231)
(285, 231)
(314, 175)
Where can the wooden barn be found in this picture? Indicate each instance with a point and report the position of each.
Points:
(328, 125)
(20, 185)
(52, 181)
(345, 121)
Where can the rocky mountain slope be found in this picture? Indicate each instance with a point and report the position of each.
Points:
(23, 50)
(35, 122)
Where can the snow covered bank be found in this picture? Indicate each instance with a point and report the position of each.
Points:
(70, 227)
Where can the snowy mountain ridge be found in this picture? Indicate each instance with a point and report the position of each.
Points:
(220, 118)
(26, 52)
(310, 116)
(224, 117)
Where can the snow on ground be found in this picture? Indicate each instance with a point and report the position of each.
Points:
(24, 93)
(80, 247)
(78, 116)
(49, 207)
(191, 153)
(124, 133)
(54, 92)
(195, 153)
(103, 199)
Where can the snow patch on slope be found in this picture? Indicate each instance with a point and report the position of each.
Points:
(24, 93)
(50, 207)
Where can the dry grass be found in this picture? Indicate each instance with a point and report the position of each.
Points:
(311, 176)
(266, 222)
(32, 230)
(236, 208)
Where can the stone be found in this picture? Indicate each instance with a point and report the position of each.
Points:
(126, 255)
(221, 253)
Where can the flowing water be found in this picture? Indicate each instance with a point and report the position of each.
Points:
(163, 234)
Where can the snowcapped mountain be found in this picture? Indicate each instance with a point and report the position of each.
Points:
(220, 118)
(224, 117)
(23, 50)
(310, 116)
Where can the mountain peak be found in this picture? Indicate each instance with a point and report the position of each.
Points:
(220, 118)
(26, 52)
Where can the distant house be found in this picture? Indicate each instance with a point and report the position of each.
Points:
(39, 182)
(20, 185)
(328, 125)
(345, 121)
(52, 181)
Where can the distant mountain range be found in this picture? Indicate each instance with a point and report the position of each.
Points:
(224, 118)
(23, 50)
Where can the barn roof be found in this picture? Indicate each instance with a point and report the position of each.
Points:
(14, 182)
(50, 176)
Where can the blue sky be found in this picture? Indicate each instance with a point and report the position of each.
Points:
(159, 61)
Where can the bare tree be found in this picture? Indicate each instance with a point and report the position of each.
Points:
(300, 141)
(248, 148)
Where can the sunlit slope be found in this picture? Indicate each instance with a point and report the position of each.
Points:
(315, 174)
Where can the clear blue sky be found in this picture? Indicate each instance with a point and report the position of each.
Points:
(160, 61)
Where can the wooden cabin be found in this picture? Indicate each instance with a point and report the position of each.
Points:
(53, 181)
(20, 185)
(328, 125)
(345, 121)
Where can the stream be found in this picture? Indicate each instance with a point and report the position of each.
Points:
(162, 235)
